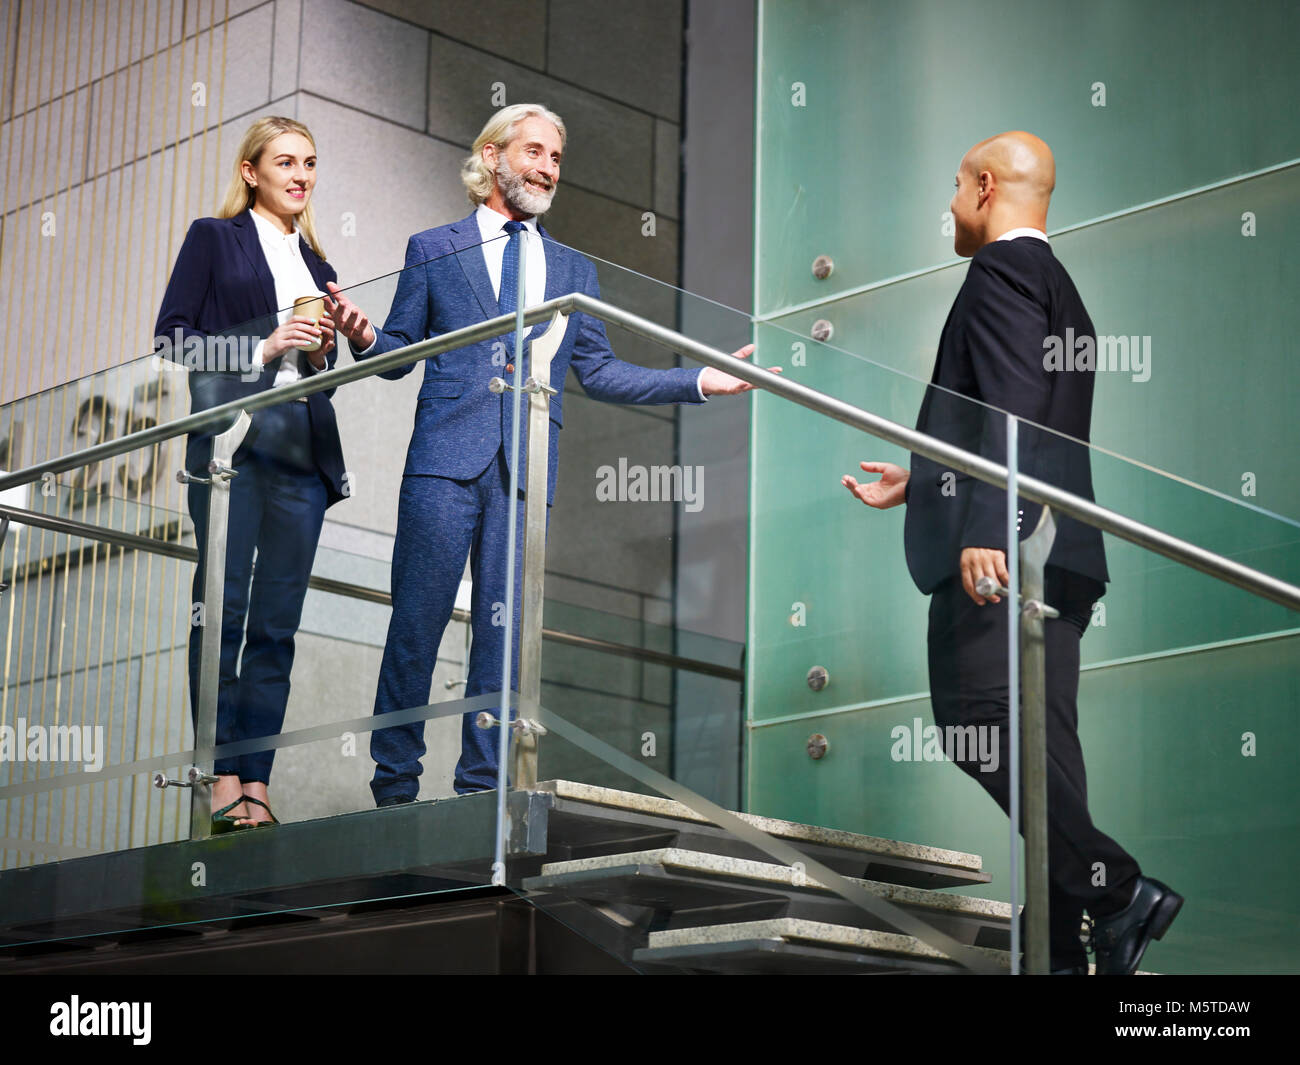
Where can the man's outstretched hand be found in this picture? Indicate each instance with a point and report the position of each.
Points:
(716, 383)
(887, 492)
(349, 319)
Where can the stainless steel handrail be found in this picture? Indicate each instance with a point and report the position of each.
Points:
(1181, 551)
(321, 382)
(333, 586)
(1061, 501)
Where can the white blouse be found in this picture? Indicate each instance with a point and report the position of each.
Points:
(292, 281)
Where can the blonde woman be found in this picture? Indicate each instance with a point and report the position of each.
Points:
(236, 278)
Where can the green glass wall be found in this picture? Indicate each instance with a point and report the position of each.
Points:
(1177, 210)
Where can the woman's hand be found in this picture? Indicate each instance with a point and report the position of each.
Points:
(317, 357)
(300, 332)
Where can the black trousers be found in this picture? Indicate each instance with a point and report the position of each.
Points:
(968, 686)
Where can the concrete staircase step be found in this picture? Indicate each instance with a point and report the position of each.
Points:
(849, 853)
(675, 878)
(791, 945)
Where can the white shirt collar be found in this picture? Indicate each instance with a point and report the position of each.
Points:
(492, 224)
(268, 230)
(1025, 231)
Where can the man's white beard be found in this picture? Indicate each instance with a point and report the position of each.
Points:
(517, 194)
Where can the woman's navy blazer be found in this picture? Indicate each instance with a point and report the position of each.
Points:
(221, 286)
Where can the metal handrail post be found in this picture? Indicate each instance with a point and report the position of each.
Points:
(1013, 690)
(4, 532)
(511, 442)
(224, 446)
(541, 352)
(1033, 737)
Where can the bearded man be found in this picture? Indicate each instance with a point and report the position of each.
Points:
(455, 490)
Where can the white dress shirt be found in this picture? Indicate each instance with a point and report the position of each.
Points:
(1025, 231)
(292, 281)
(492, 230)
(492, 227)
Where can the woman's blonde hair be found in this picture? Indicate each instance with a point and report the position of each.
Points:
(240, 196)
(478, 177)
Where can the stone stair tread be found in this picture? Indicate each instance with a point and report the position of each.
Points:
(786, 830)
(803, 931)
(685, 861)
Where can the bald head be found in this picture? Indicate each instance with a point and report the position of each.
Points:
(1004, 183)
(1021, 163)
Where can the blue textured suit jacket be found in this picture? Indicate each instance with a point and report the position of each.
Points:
(459, 424)
(221, 285)
(1015, 295)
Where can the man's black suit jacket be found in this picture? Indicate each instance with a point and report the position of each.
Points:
(1016, 295)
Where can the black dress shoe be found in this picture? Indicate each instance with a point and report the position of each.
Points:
(394, 800)
(1121, 939)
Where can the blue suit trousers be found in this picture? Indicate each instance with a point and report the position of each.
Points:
(439, 522)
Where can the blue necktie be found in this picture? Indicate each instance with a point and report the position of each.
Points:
(510, 270)
(508, 302)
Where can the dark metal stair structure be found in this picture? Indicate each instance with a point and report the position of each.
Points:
(659, 887)
(648, 881)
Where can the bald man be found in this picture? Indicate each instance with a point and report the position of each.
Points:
(1015, 297)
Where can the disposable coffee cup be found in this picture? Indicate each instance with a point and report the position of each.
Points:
(312, 307)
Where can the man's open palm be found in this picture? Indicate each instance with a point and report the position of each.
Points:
(887, 492)
(716, 383)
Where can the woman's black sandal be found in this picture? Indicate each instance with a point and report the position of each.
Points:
(259, 824)
(221, 822)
